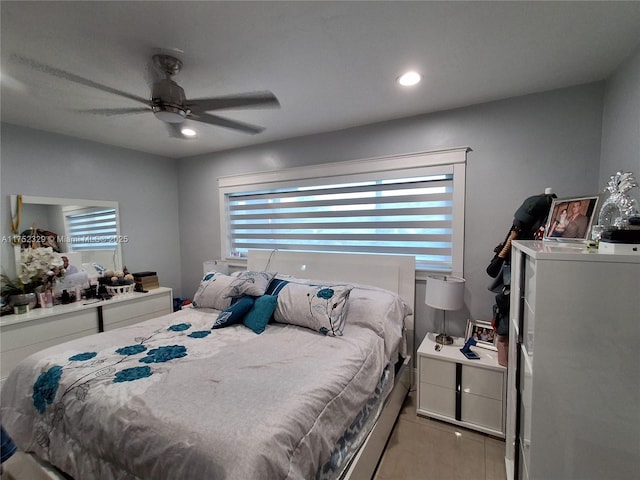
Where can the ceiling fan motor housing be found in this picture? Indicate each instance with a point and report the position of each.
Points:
(168, 101)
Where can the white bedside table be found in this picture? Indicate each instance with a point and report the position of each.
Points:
(469, 393)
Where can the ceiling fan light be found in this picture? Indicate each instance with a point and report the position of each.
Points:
(169, 114)
(188, 132)
(410, 78)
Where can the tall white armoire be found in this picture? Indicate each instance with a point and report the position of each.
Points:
(573, 386)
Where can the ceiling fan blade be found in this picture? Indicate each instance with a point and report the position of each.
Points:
(246, 100)
(223, 122)
(56, 72)
(175, 131)
(108, 112)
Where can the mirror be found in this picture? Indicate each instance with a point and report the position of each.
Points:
(88, 230)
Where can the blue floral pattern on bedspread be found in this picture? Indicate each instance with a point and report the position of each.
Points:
(179, 327)
(81, 357)
(164, 354)
(108, 365)
(131, 349)
(75, 374)
(199, 334)
(46, 387)
(131, 374)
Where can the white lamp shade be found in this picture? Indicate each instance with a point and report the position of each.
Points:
(445, 293)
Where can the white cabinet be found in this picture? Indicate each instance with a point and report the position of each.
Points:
(574, 375)
(20, 339)
(24, 334)
(137, 309)
(465, 392)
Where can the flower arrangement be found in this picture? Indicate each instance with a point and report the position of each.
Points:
(39, 267)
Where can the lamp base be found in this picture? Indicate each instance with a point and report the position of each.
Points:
(444, 339)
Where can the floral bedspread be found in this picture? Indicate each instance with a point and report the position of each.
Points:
(170, 398)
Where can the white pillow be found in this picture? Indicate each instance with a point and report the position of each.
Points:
(215, 291)
(322, 308)
(251, 283)
(382, 311)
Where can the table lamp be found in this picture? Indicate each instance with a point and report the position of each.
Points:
(444, 293)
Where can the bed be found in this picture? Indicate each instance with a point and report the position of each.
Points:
(314, 394)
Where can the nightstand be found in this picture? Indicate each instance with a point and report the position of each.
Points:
(469, 393)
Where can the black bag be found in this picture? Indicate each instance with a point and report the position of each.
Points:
(532, 215)
(527, 220)
(501, 312)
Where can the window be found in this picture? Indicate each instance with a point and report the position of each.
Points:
(410, 205)
(92, 229)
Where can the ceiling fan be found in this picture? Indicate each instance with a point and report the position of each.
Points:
(168, 101)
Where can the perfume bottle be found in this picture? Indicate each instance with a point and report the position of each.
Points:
(65, 297)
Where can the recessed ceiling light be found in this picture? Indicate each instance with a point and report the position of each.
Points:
(188, 132)
(408, 79)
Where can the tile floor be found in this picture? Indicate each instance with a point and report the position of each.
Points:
(425, 449)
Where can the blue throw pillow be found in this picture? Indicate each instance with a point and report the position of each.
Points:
(260, 313)
(235, 313)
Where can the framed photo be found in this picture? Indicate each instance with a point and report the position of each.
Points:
(482, 332)
(570, 219)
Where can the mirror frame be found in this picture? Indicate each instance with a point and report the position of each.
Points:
(37, 200)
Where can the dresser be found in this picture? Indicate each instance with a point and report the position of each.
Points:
(24, 334)
(573, 404)
(453, 388)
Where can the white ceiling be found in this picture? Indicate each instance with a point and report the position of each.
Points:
(332, 65)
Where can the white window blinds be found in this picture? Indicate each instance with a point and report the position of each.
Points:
(404, 205)
(93, 229)
(402, 216)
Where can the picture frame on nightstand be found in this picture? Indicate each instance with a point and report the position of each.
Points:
(483, 333)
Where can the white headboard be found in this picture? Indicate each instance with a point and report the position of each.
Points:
(391, 272)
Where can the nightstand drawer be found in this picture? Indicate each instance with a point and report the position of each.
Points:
(482, 411)
(435, 399)
(483, 382)
(437, 372)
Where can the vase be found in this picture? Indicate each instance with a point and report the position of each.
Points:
(23, 302)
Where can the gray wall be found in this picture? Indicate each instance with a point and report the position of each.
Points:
(621, 122)
(146, 187)
(520, 146)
